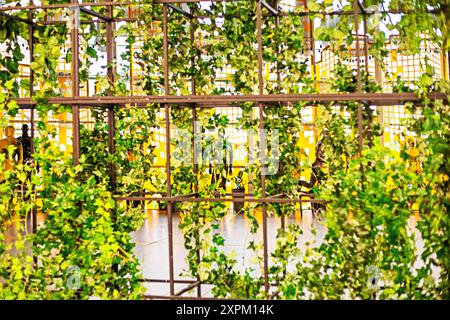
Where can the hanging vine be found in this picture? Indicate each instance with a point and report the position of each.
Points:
(83, 247)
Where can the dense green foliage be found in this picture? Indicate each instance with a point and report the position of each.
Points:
(83, 248)
(370, 249)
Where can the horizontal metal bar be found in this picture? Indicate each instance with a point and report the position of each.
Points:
(301, 14)
(56, 22)
(244, 200)
(126, 3)
(280, 14)
(179, 10)
(159, 166)
(186, 281)
(269, 7)
(71, 5)
(302, 194)
(372, 98)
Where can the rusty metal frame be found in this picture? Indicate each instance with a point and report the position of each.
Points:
(214, 101)
(194, 101)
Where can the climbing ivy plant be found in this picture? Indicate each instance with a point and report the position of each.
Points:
(83, 247)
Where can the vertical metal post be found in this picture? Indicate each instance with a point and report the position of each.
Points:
(277, 51)
(193, 92)
(31, 51)
(260, 53)
(110, 47)
(194, 148)
(168, 172)
(379, 81)
(366, 58)
(166, 50)
(75, 86)
(170, 203)
(261, 127)
(263, 195)
(358, 79)
(195, 166)
(33, 210)
(111, 146)
(316, 83)
(192, 39)
(110, 56)
(277, 66)
(313, 50)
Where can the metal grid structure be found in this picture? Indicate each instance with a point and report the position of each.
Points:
(397, 63)
(328, 59)
(77, 101)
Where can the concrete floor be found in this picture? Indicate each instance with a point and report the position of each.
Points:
(152, 244)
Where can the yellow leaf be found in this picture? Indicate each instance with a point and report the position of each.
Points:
(414, 153)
